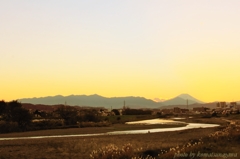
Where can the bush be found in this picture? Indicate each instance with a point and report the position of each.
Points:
(7, 127)
(68, 113)
(46, 124)
(93, 124)
(129, 111)
(90, 117)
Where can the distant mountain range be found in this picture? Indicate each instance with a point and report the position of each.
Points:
(182, 99)
(114, 102)
(94, 101)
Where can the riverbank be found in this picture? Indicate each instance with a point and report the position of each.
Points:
(81, 147)
(135, 127)
(89, 130)
(163, 144)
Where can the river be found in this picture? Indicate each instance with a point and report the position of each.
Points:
(152, 121)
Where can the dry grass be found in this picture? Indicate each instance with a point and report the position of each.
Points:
(161, 145)
(82, 147)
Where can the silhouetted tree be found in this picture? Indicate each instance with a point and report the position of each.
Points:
(129, 111)
(11, 106)
(68, 113)
(22, 117)
(91, 115)
(14, 104)
(3, 106)
(116, 112)
(14, 112)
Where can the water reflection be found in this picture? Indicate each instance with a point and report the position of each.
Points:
(189, 126)
(153, 121)
(179, 118)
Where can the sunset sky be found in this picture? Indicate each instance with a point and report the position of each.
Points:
(147, 48)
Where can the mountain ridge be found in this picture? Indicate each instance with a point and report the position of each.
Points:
(96, 100)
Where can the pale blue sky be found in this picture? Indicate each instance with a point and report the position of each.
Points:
(120, 48)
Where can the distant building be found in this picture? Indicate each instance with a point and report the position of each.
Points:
(176, 110)
(184, 111)
(200, 109)
(167, 111)
(221, 105)
(237, 107)
(233, 104)
(180, 111)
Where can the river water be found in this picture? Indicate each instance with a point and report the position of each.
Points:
(152, 121)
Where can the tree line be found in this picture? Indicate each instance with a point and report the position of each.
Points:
(72, 115)
(13, 113)
(13, 117)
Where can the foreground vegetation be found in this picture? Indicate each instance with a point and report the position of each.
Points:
(223, 140)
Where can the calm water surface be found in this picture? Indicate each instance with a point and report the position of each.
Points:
(152, 121)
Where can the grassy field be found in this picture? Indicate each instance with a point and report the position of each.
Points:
(223, 139)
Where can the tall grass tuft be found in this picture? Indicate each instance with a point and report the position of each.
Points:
(111, 151)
